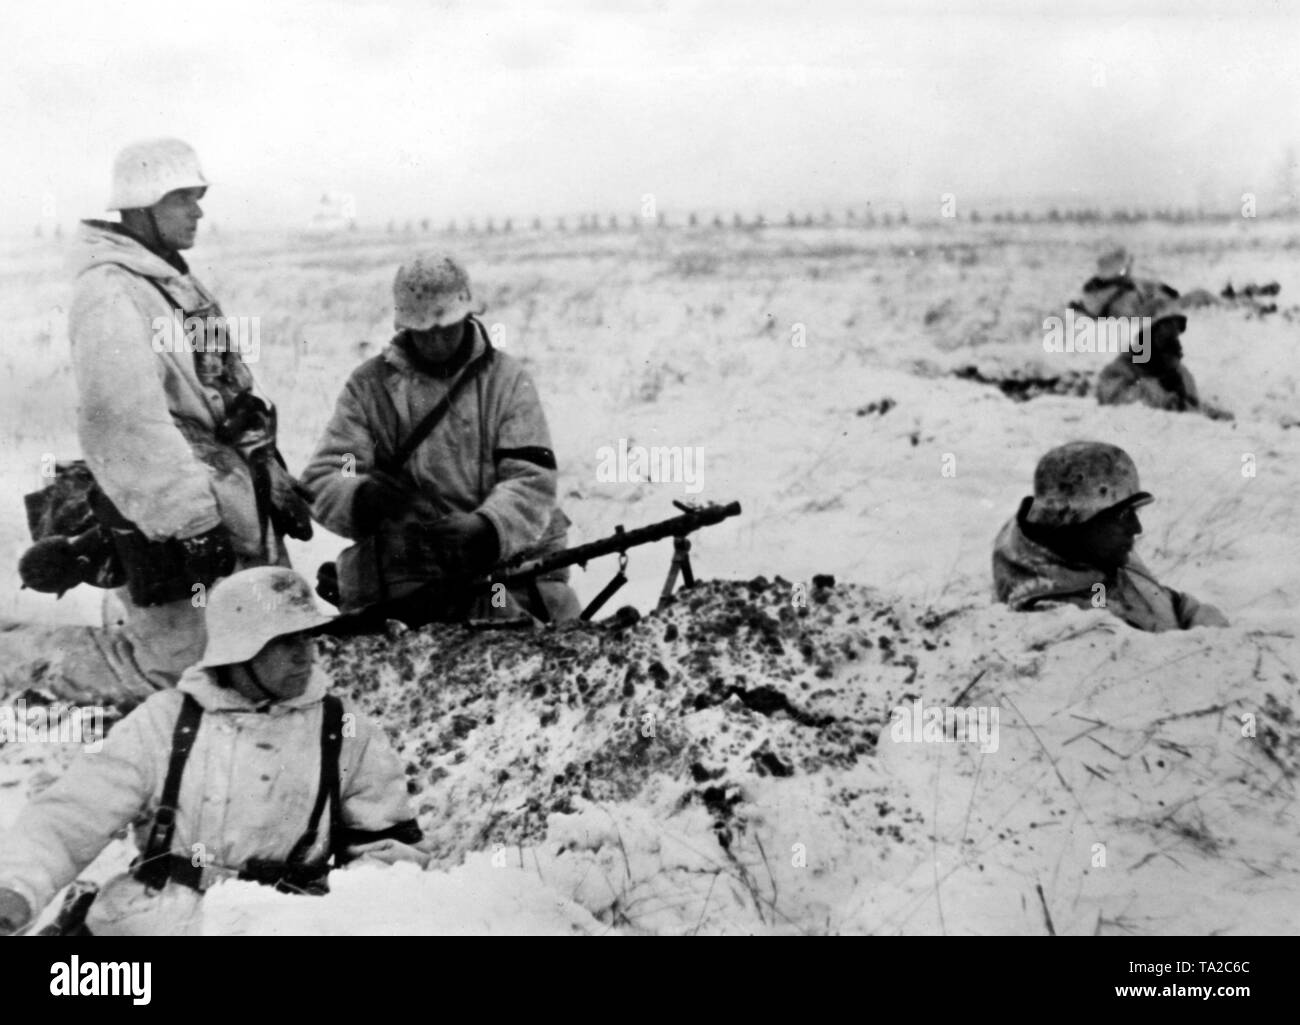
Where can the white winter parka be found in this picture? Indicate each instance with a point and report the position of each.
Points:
(247, 792)
(146, 421)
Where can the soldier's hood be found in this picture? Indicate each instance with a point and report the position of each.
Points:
(1025, 572)
(104, 242)
(202, 683)
(395, 354)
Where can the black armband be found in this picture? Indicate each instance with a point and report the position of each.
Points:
(535, 454)
(403, 832)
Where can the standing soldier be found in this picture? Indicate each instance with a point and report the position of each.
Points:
(1072, 542)
(181, 447)
(438, 462)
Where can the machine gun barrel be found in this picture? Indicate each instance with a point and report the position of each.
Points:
(692, 519)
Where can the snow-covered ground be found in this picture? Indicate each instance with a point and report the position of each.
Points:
(691, 339)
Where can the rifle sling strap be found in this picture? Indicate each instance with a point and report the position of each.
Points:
(598, 602)
(163, 292)
(441, 408)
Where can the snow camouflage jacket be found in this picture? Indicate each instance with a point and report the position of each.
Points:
(491, 453)
(146, 420)
(1028, 576)
(1120, 383)
(247, 792)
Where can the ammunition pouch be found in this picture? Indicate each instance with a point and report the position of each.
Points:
(155, 570)
(309, 880)
(161, 572)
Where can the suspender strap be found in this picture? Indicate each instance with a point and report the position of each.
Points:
(158, 864)
(153, 869)
(331, 751)
(331, 744)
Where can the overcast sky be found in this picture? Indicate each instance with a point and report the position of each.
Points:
(442, 109)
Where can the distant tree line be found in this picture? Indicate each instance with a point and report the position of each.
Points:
(851, 217)
(600, 223)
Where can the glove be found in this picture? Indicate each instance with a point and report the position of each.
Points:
(390, 852)
(378, 497)
(209, 556)
(465, 544)
(15, 912)
(327, 583)
(290, 503)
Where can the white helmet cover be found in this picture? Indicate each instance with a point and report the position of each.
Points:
(249, 608)
(146, 171)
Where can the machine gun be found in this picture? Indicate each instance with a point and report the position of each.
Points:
(525, 572)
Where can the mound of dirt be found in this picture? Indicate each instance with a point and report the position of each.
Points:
(744, 760)
(726, 684)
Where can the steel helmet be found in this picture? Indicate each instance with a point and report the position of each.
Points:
(1114, 264)
(431, 290)
(1075, 482)
(146, 171)
(249, 608)
(1169, 309)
